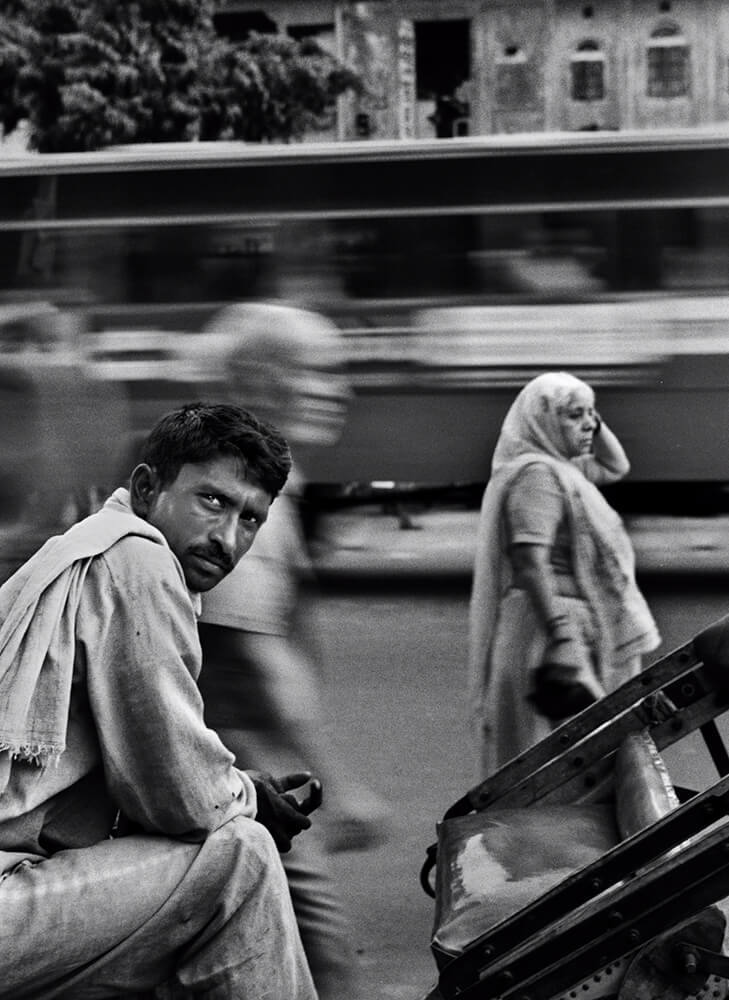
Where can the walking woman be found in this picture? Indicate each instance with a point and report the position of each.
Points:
(556, 617)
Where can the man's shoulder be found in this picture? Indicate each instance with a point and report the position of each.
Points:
(138, 556)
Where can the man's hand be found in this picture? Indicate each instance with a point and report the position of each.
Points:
(278, 809)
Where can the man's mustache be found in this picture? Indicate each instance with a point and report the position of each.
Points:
(216, 555)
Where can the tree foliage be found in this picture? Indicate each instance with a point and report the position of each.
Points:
(90, 73)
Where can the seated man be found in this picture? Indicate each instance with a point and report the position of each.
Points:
(132, 852)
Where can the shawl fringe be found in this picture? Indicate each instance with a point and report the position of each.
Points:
(40, 754)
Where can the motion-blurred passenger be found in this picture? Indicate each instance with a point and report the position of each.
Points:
(556, 617)
(101, 717)
(261, 678)
(59, 425)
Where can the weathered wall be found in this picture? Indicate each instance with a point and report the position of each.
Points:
(524, 55)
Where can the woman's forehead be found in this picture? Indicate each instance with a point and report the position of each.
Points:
(579, 396)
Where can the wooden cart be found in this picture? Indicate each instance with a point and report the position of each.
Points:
(578, 870)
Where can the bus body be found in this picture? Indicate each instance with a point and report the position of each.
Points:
(455, 269)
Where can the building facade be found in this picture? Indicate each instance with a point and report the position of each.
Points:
(457, 67)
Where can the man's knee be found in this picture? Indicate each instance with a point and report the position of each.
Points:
(246, 846)
(248, 833)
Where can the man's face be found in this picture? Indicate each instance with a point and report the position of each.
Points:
(306, 397)
(210, 516)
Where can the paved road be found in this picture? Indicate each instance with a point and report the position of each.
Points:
(366, 542)
(396, 713)
(395, 648)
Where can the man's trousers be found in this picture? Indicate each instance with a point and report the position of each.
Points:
(211, 920)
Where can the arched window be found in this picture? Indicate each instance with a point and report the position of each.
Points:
(587, 66)
(668, 62)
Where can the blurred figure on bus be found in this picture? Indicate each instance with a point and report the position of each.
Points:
(556, 617)
(59, 427)
(261, 678)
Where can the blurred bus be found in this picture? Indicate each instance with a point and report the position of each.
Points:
(456, 270)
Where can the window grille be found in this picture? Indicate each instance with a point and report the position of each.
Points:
(587, 67)
(668, 63)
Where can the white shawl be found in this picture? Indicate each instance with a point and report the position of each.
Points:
(38, 607)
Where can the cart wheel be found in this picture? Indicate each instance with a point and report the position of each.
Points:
(656, 972)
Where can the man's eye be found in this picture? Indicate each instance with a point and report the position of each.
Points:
(213, 500)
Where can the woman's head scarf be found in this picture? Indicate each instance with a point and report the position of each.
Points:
(532, 425)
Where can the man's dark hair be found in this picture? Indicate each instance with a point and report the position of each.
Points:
(198, 432)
